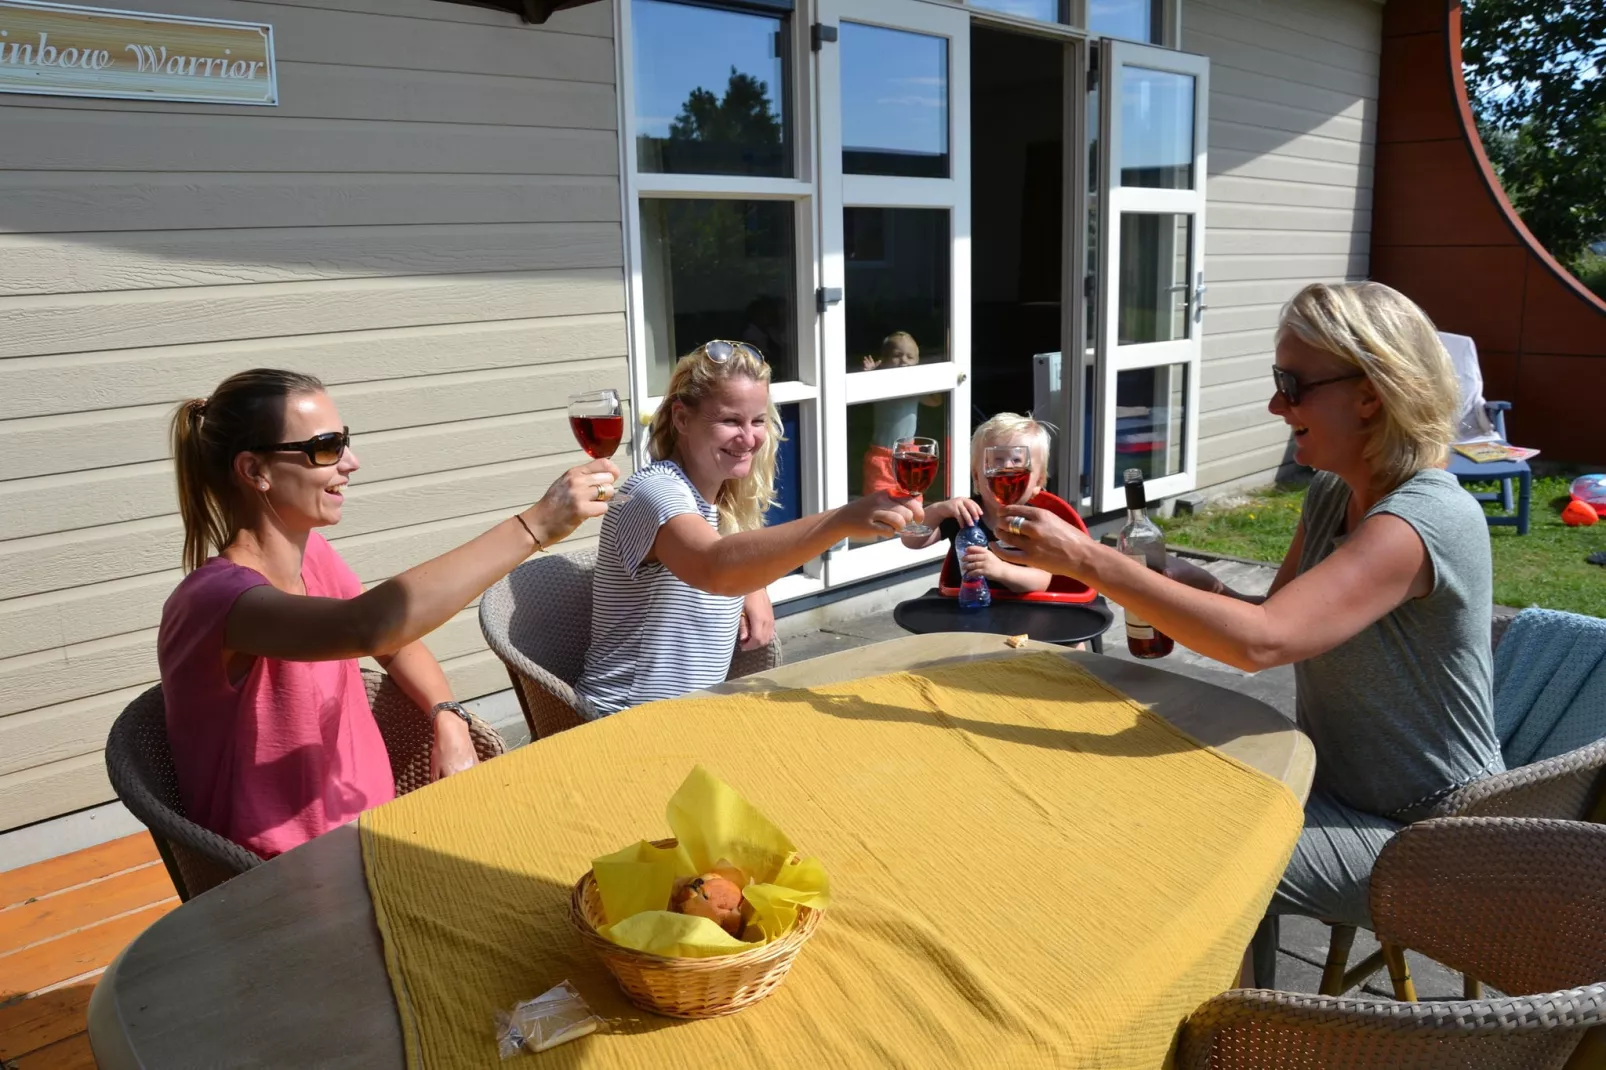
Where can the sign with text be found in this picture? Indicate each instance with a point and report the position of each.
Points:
(67, 51)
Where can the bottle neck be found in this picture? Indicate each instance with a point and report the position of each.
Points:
(1135, 516)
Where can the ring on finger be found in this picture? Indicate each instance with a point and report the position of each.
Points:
(1016, 524)
(602, 491)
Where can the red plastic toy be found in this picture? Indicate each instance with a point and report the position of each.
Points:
(1062, 589)
(1579, 514)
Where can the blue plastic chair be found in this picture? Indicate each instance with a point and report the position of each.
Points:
(1504, 472)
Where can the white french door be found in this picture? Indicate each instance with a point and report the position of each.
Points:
(894, 239)
(1150, 269)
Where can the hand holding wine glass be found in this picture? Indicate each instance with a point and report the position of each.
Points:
(914, 465)
(598, 422)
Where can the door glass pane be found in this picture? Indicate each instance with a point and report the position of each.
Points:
(873, 428)
(712, 90)
(1156, 255)
(1149, 404)
(718, 269)
(898, 283)
(894, 102)
(1156, 129)
(1043, 10)
(1135, 20)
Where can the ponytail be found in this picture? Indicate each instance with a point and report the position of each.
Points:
(207, 434)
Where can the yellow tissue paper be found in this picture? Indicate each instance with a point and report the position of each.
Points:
(715, 827)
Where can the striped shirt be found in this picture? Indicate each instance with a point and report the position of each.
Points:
(653, 635)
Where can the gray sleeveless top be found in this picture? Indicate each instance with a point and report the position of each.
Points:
(1402, 713)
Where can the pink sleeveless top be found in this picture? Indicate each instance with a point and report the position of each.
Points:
(289, 752)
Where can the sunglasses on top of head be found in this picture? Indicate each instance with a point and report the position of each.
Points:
(720, 351)
(1292, 390)
(322, 450)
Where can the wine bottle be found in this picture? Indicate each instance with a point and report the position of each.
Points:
(1143, 541)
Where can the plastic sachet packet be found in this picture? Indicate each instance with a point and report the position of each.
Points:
(555, 1017)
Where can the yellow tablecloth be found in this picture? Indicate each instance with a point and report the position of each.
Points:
(1028, 869)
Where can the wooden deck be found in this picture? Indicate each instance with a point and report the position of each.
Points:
(61, 922)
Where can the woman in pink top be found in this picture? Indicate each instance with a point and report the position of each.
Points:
(272, 736)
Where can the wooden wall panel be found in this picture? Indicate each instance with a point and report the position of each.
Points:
(430, 221)
(1293, 136)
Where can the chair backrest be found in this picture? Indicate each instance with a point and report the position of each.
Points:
(542, 612)
(1519, 903)
(1473, 423)
(139, 764)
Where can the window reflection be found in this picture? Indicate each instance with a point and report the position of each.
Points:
(718, 269)
(894, 102)
(712, 90)
(898, 284)
(1149, 413)
(1156, 129)
(1156, 256)
(1135, 20)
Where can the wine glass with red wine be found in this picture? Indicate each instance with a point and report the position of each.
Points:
(598, 421)
(914, 464)
(1008, 471)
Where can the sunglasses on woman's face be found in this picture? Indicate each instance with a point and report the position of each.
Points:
(322, 450)
(720, 351)
(1292, 390)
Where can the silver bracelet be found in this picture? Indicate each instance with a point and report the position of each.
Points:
(455, 707)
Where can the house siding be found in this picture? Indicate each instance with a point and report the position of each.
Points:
(1293, 131)
(429, 221)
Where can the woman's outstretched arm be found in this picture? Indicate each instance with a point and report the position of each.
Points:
(1383, 564)
(268, 622)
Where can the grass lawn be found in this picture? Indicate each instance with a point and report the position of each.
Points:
(1545, 567)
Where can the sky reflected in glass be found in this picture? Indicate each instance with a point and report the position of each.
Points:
(681, 49)
(1130, 19)
(894, 102)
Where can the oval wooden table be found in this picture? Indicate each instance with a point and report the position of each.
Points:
(283, 966)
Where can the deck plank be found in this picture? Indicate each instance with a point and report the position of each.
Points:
(50, 916)
(19, 885)
(70, 1054)
(90, 948)
(31, 1024)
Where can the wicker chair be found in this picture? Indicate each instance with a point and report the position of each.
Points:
(1520, 902)
(1566, 787)
(538, 620)
(139, 763)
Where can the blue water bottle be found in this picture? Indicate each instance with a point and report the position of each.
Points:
(973, 590)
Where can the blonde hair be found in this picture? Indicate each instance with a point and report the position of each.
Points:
(1009, 425)
(246, 410)
(743, 502)
(1383, 333)
(897, 343)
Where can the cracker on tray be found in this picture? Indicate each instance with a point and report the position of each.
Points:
(1017, 641)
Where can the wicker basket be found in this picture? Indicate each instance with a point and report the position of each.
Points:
(689, 987)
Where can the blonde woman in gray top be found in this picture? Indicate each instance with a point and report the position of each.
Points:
(1382, 603)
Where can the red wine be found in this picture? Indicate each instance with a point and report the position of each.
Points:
(1009, 484)
(914, 471)
(1158, 645)
(598, 435)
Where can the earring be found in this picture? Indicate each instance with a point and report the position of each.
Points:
(262, 485)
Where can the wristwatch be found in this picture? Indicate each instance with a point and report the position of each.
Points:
(454, 707)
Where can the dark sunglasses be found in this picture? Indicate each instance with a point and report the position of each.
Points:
(1289, 386)
(720, 351)
(322, 450)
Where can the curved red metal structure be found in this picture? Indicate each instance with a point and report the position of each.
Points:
(1444, 233)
